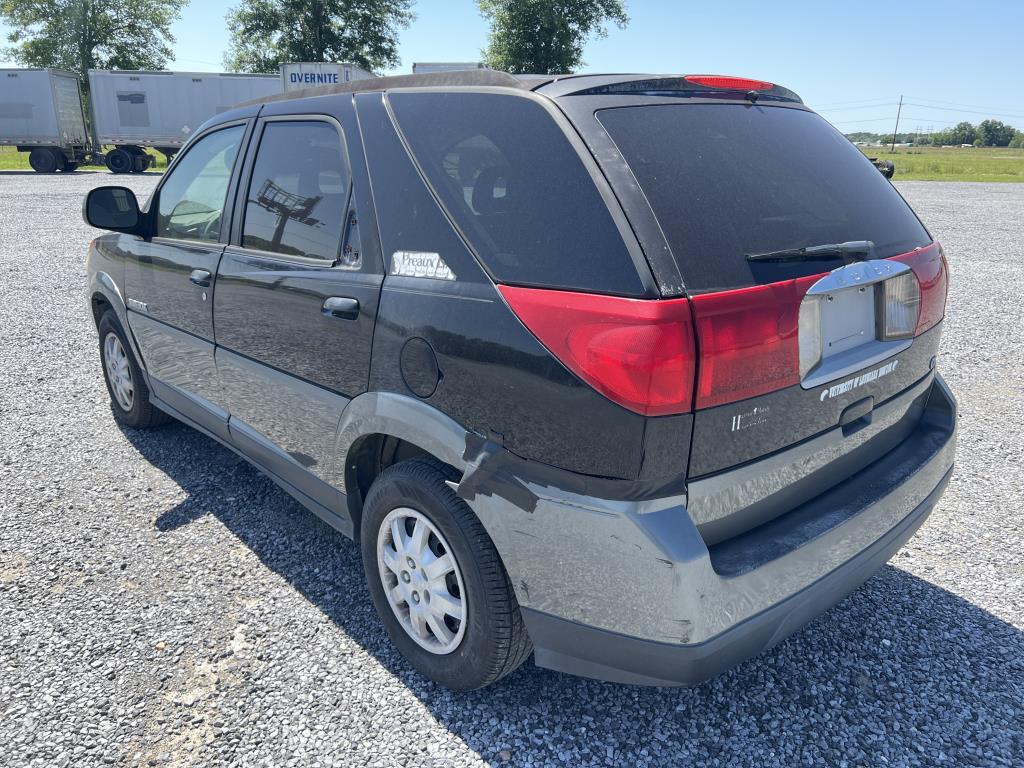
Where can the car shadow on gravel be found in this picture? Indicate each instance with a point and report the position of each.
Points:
(903, 672)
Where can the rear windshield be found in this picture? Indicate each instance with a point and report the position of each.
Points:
(515, 186)
(727, 180)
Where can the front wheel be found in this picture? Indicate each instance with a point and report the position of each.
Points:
(129, 395)
(437, 580)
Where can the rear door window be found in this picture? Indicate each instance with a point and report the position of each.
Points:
(298, 191)
(516, 188)
(727, 180)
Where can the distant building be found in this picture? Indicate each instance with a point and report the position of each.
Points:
(421, 67)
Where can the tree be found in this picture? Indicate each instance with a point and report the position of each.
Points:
(79, 35)
(962, 133)
(268, 33)
(993, 133)
(545, 36)
(1017, 142)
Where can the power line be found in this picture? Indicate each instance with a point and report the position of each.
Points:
(856, 101)
(905, 118)
(847, 109)
(952, 103)
(969, 111)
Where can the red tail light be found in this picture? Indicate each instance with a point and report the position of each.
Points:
(638, 353)
(748, 341)
(642, 354)
(932, 272)
(723, 81)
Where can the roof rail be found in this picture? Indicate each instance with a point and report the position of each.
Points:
(471, 77)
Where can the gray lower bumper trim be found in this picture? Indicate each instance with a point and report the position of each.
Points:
(577, 649)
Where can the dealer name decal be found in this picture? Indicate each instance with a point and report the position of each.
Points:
(865, 378)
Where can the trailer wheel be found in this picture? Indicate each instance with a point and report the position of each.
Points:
(42, 160)
(120, 161)
(70, 167)
(141, 162)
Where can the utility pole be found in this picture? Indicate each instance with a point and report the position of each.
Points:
(894, 130)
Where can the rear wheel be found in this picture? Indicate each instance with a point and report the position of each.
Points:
(142, 161)
(129, 395)
(43, 160)
(120, 161)
(437, 580)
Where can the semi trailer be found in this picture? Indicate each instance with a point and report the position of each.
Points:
(41, 113)
(136, 110)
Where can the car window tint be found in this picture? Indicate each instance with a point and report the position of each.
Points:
(298, 191)
(191, 203)
(727, 180)
(513, 183)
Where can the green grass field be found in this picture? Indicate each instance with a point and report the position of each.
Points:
(13, 160)
(912, 163)
(953, 164)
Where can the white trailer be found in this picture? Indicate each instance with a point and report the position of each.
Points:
(41, 113)
(422, 67)
(133, 109)
(310, 74)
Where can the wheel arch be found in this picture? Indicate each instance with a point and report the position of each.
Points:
(379, 429)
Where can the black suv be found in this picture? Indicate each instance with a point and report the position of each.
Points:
(634, 372)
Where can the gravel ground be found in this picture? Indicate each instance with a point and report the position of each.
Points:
(163, 603)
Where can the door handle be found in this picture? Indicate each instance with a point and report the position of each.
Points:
(341, 307)
(200, 277)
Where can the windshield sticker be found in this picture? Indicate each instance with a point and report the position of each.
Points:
(857, 381)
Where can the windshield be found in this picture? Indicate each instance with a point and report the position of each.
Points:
(727, 180)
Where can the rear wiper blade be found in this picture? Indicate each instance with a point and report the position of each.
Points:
(826, 251)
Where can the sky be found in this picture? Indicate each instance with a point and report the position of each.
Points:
(850, 61)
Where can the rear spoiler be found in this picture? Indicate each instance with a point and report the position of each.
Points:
(714, 86)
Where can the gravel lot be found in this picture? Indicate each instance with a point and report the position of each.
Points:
(163, 603)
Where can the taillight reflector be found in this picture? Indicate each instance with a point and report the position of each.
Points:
(749, 341)
(932, 272)
(637, 353)
(724, 81)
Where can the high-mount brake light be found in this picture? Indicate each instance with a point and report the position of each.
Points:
(637, 353)
(729, 83)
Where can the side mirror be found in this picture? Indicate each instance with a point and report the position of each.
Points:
(113, 208)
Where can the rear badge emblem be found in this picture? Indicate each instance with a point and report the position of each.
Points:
(753, 418)
(841, 389)
(420, 264)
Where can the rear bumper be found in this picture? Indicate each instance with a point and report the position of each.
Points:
(582, 650)
(628, 591)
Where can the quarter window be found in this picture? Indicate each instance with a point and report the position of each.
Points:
(297, 197)
(191, 204)
(510, 179)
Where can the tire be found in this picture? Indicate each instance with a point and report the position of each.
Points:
(43, 160)
(141, 163)
(135, 411)
(120, 161)
(70, 167)
(490, 640)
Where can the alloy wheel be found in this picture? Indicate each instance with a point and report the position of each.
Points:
(422, 580)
